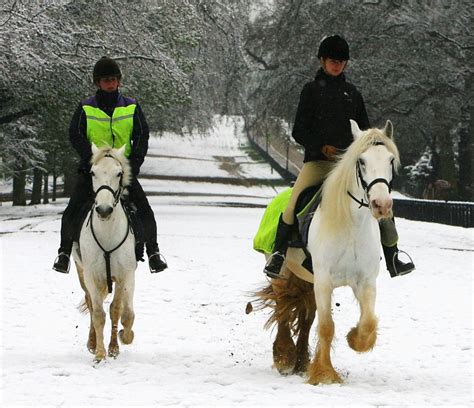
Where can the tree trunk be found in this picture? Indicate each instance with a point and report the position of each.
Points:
(55, 186)
(19, 183)
(447, 163)
(466, 145)
(45, 190)
(37, 184)
(55, 177)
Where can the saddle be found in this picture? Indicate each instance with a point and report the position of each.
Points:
(136, 225)
(306, 205)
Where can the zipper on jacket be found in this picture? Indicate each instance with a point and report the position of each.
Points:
(112, 132)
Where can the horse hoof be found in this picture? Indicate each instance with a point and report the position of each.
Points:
(301, 367)
(284, 356)
(323, 375)
(114, 352)
(99, 358)
(361, 344)
(284, 370)
(126, 338)
(327, 377)
(91, 346)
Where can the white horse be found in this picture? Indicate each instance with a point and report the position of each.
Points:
(344, 243)
(106, 253)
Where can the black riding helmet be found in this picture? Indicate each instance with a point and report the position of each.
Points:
(334, 47)
(106, 67)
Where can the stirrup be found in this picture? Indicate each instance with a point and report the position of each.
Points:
(271, 273)
(68, 263)
(395, 270)
(161, 258)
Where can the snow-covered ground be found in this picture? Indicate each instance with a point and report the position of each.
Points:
(194, 345)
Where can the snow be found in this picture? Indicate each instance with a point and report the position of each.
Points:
(218, 154)
(194, 345)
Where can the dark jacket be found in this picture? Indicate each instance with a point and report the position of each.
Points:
(107, 102)
(322, 118)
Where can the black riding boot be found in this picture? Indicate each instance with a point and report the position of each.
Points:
(156, 261)
(77, 206)
(274, 264)
(394, 265)
(63, 262)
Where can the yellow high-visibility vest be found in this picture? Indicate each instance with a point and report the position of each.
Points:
(115, 131)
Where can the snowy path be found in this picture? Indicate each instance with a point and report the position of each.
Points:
(194, 345)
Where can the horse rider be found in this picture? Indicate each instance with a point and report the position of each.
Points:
(322, 127)
(108, 119)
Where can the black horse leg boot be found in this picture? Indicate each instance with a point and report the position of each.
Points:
(275, 262)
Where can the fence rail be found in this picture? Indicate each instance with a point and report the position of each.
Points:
(285, 157)
(443, 212)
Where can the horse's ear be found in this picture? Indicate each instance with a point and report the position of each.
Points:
(121, 151)
(355, 129)
(388, 130)
(95, 149)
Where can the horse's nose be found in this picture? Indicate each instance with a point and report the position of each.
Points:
(381, 207)
(104, 210)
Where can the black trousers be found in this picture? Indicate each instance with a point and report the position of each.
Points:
(145, 214)
(71, 219)
(83, 194)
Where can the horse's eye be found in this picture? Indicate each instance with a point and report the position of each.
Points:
(119, 174)
(361, 163)
(92, 173)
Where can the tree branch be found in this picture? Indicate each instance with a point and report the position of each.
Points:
(14, 116)
(260, 60)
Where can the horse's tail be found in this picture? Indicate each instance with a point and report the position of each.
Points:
(292, 301)
(83, 308)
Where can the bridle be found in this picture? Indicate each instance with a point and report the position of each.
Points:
(117, 194)
(367, 186)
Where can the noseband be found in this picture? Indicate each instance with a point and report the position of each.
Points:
(116, 193)
(366, 186)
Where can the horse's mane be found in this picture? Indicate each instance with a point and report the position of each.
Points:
(335, 202)
(115, 153)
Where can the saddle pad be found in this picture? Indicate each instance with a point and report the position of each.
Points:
(306, 206)
(265, 237)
